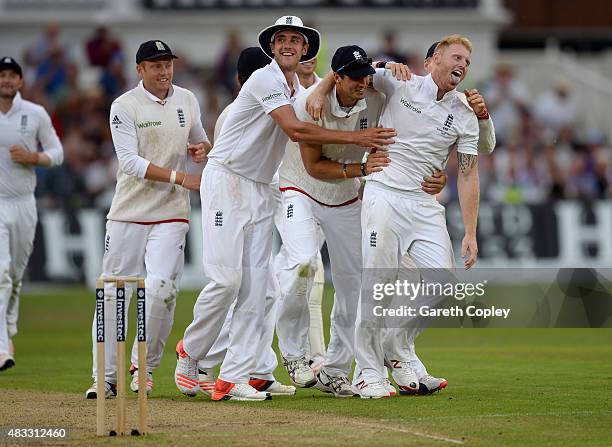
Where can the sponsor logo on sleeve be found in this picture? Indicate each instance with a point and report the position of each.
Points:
(272, 96)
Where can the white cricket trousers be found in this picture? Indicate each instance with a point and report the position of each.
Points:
(395, 223)
(17, 228)
(237, 224)
(156, 252)
(265, 358)
(342, 230)
(398, 343)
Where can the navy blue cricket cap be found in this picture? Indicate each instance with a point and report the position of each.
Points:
(250, 60)
(152, 50)
(432, 50)
(352, 61)
(8, 63)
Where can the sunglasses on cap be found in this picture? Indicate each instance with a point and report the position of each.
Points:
(355, 63)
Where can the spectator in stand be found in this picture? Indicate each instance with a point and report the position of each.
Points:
(389, 51)
(102, 49)
(52, 73)
(225, 67)
(506, 97)
(556, 108)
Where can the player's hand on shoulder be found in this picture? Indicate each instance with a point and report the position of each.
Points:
(469, 251)
(21, 155)
(198, 151)
(476, 101)
(401, 72)
(375, 137)
(434, 184)
(377, 161)
(315, 104)
(192, 182)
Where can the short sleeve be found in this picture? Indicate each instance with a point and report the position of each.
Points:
(384, 81)
(300, 106)
(467, 143)
(267, 90)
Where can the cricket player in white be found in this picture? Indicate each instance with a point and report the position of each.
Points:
(24, 126)
(237, 208)
(320, 191)
(262, 378)
(154, 127)
(397, 216)
(399, 347)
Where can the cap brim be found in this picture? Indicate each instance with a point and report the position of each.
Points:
(313, 36)
(159, 56)
(359, 72)
(12, 67)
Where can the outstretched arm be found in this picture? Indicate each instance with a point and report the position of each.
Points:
(302, 132)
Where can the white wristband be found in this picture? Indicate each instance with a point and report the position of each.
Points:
(173, 177)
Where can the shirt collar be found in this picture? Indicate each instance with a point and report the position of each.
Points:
(279, 73)
(154, 98)
(16, 105)
(336, 109)
(431, 89)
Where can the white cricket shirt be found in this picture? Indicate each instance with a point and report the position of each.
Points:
(251, 144)
(25, 124)
(147, 130)
(427, 130)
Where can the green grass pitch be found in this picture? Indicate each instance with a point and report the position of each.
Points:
(507, 387)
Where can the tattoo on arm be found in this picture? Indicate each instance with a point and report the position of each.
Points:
(466, 162)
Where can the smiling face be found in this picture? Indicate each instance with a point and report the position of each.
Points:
(307, 68)
(350, 90)
(288, 48)
(157, 75)
(450, 65)
(10, 83)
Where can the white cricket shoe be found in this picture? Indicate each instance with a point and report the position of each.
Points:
(6, 362)
(238, 391)
(404, 376)
(186, 372)
(300, 372)
(110, 390)
(338, 385)
(390, 388)
(274, 387)
(134, 383)
(373, 390)
(206, 380)
(429, 384)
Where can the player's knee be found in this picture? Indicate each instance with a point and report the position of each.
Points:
(161, 290)
(307, 267)
(6, 282)
(227, 283)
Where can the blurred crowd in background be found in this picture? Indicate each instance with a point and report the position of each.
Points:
(543, 154)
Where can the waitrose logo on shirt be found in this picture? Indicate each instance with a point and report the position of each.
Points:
(271, 96)
(149, 124)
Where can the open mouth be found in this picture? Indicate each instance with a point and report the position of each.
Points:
(456, 76)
